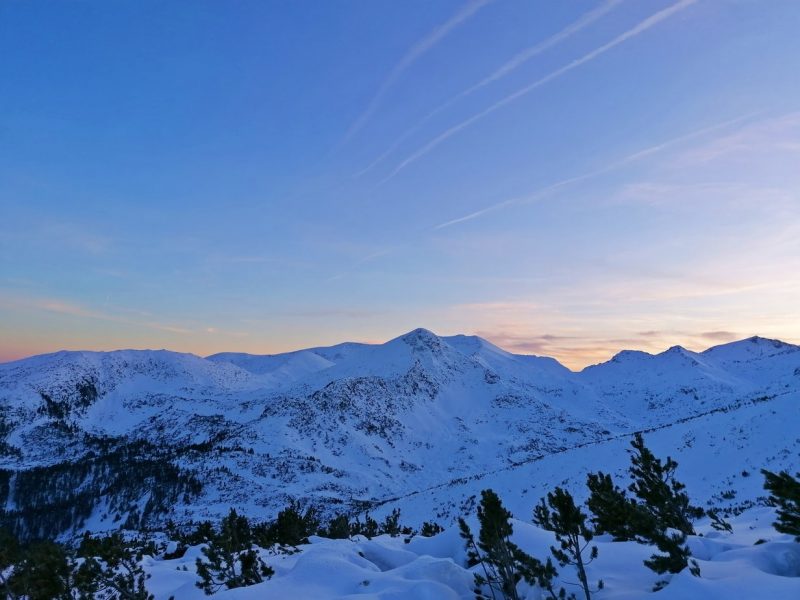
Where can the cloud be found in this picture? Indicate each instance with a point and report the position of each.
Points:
(508, 67)
(633, 32)
(631, 158)
(58, 235)
(64, 307)
(414, 53)
(336, 313)
(765, 138)
(361, 261)
(529, 53)
(722, 336)
(574, 351)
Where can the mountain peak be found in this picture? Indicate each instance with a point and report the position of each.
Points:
(751, 347)
(420, 332)
(629, 355)
(757, 339)
(420, 338)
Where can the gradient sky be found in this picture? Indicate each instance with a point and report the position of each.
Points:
(562, 178)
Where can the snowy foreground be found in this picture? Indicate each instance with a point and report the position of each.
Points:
(753, 562)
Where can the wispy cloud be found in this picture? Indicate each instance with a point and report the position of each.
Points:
(414, 53)
(363, 260)
(58, 234)
(765, 138)
(631, 33)
(65, 307)
(508, 67)
(617, 164)
(529, 53)
(719, 336)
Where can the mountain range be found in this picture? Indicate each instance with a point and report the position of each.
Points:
(100, 440)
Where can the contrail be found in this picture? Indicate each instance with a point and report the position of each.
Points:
(638, 29)
(608, 168)
(416, 51)
(515, 62)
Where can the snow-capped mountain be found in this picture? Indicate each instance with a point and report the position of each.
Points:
(421, 422)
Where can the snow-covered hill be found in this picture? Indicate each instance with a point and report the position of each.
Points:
(421, 422)
(386, 568)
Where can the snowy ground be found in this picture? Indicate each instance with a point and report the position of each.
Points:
(732, 566)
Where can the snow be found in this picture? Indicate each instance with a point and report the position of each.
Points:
(423, 423)
(387, 568)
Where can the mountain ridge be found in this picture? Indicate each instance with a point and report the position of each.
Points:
(348, 426)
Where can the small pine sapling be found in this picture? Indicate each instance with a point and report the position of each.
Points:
(560, 515)
(230, 561)
(503, 563)
(784, 493)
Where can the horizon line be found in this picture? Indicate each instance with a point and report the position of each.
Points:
(735, 340)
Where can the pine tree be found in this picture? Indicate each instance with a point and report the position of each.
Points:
(561, 516)
(612, 511)
(202, 534)
(785, 494)
(230, 561)
(662, 495)
(503, 563)
(430, 529)
(293, 526)
(676, 553)
(666, 514)
(338, 528)
(111, 568)
(42, 573)
(369, 528)
(391, 524)
(10, 553)
(718, 523)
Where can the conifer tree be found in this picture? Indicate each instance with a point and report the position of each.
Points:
(561, 516)
(110, 569)
(676, 554)
(42, 573)
(338, 528)
(660, 512)
(718, 523)
(430, 529)
(662, 495)
(784, 493)
(612, 511)
(9, 554)
(391, 524)
(369, 528)
(666, 514)
(201, 534)
(293, 526)
(502, 562)
(230, 561)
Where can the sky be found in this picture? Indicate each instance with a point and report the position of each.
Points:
(562, 178)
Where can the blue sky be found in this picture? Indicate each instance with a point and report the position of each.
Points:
(563, 178)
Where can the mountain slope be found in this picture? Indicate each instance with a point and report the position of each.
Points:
(354, 425)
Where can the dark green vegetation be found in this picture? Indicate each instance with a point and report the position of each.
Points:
(99, 567)
(53, 499)
(230, 561)
(785, 494)
(110, 566)
(654, 509)
(657, 513)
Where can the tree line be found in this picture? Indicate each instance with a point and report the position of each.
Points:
(654, 509)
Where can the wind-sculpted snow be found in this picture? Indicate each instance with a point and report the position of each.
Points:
(420, 422)
(435, 568)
